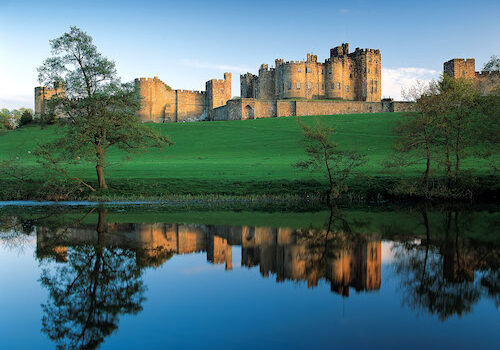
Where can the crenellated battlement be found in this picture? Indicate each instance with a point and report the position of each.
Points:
(193, 92)
(484, 74)
(149, 80)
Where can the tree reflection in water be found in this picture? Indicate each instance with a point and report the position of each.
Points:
(88, 293)
(443, 273)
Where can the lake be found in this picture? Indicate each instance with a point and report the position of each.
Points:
(155, 277)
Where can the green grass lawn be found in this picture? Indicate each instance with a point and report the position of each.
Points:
(210, 157)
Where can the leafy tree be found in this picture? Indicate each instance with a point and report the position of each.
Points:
(100, 109)
(416, 133)
(452, 122)
(326, 156)
(458, 107)
(493, 65)
(4, 117)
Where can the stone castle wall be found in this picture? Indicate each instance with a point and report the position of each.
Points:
(487, 82)
(250, 108)
(160, 105)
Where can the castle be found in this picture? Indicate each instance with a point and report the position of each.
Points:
(486, 82)
(344, 83)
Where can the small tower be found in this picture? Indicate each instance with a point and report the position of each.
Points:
(460, 68)
(218, 92)
(43, 94)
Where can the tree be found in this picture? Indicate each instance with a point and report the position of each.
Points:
(493, 65)
(452, 122)
(416, 133)
(4, 117)
(102, 112)
(457, 107)
(325, 155)
(26, 117)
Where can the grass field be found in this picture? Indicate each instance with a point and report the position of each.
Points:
(234, 157)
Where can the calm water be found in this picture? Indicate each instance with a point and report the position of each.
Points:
(127, 278)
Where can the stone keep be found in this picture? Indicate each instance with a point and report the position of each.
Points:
(352, 76)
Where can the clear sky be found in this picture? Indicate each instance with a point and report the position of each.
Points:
(188, 42)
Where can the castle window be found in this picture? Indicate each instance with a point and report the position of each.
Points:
(298, 70)
(221, 91)
(289, 86)
(376, 70)
(308, 70)
(332, 86)
(298, 85)
(364, 70)
(347, 88)
(309, 86)
(350, 75)
(329, 70)
(338, 86)
(370, 59)
(371, 89)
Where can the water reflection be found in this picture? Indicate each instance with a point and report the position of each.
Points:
(443, 273)
(94, 272)
(98, 282)
(345, 259)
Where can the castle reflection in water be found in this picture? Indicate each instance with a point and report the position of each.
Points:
(298, 255)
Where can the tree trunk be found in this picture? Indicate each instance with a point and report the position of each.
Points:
(428, 164)
(447, 160)
(100, 177)
(99, 167)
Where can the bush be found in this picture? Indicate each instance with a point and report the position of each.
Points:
(26, 118)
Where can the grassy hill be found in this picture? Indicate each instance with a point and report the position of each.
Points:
(234, 157)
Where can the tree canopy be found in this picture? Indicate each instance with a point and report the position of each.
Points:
(102, 111)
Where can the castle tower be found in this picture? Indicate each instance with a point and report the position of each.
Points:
(264, 88)
(218, 92)
(247, 85)
(44, 94)
(460, 68)
(365, 75)
(155, 97)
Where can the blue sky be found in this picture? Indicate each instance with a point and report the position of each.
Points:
(188, 42)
